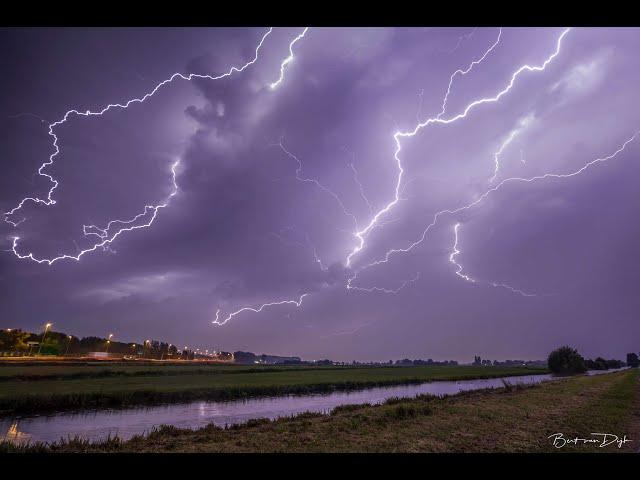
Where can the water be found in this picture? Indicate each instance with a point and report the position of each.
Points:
(99, 424)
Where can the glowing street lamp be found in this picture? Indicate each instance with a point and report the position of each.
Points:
(44, 335)
(68, 344)
(109, 342)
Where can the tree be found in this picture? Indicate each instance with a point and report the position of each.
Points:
(14, 340)
(632, 360)
(566, 361)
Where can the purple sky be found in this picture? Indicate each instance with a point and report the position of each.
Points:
(538, 262)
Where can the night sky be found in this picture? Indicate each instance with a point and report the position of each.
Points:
(289, 192)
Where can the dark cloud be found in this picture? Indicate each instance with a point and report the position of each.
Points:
(243, 230)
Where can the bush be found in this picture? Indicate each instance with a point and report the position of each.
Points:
(566, 361)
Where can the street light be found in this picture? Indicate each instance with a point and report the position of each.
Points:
(109, 342)
(68, 345)
(46, 327)
(162, 352)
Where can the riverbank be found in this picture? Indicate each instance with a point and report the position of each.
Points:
(513, 419)
(21, 392)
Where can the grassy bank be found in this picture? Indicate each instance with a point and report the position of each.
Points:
(505, 420)
(153, 385)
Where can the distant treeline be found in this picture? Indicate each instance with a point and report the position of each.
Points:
(602, 364)
(419, 361)
(567, 361)
(251, 358)
(477, 360)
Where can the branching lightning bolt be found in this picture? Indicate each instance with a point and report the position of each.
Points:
(105, 234)
(87, 113)
(361, 235)
(114, 228)
(496, 188)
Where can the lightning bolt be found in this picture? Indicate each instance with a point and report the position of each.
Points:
(289, 59)
(315, 182)
(297, 303)
(114, 228)
(454, 253)
(506, 181)
(356, 179)
(462, 72)
(88, 113)
(460, 269)
(299, 176)
(375, 221)
(514, 290)
(307, 244)
(315, 255)
(384, 290)
(512, 135)
(362, 234)
(105, 234)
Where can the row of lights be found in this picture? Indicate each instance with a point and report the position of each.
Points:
(133, 345)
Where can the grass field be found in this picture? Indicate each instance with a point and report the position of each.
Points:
(504, 420)
(44, 388)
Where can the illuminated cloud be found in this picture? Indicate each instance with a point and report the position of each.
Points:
(286, 196)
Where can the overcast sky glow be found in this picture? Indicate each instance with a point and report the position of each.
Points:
(350, 193)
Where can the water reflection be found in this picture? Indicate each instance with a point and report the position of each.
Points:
(99, 424)
(16, 436)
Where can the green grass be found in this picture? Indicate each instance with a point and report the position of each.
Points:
(152, 385)
(515, 419)
(100, 370)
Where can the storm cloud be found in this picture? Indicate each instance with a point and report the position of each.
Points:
(274, 182)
